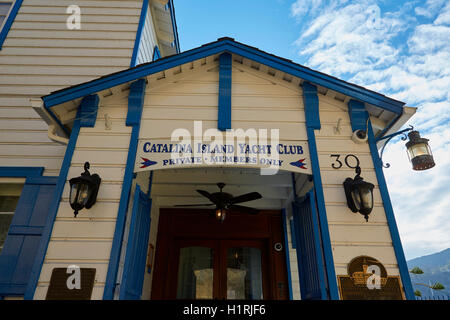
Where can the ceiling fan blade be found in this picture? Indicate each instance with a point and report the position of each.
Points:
(243, 209)
(246, 197)
(208, 195)
(194, 205)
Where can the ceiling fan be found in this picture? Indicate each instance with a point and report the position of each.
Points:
(225, 201)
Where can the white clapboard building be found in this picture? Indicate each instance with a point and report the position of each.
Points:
(220, 169)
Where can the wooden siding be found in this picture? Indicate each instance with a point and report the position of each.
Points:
(87, 239)
(41, 55)
(174, 99)
(190, 93)
(350, 234)
(148, 41)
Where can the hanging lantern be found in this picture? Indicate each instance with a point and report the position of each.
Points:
(419, 152)
(220, 214)
(359, 194)
(83, 190)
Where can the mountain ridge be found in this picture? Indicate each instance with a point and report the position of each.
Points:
(436, 268)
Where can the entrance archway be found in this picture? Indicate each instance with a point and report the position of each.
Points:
(180, 234)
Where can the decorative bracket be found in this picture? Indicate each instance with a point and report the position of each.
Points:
(389, 138)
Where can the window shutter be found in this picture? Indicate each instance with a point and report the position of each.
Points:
(136, 254)
(309, 249)
(24, 235)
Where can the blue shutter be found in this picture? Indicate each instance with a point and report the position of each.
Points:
(24, 234)
(309, 251)
(136, 254)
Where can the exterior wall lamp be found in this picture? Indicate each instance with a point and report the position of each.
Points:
(359, 194)
(419, 152)
(84, 190)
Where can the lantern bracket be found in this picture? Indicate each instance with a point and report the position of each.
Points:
(389, 138)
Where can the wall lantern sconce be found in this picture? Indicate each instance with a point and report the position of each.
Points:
(419, 152)
(84, 190)
(359, 194)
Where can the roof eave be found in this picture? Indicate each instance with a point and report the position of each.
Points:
(224, 45)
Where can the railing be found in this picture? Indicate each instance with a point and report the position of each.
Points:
(436, 297)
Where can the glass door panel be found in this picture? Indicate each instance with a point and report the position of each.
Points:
(220, 269)
(195, 273)
(244, 273)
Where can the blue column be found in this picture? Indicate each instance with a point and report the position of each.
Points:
(135, 106)
(311, 103)
(224, 112)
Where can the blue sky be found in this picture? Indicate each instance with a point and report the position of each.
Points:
(398, 48)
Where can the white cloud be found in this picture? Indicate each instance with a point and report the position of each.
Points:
(408, 61)
(444, 16)
(430, 9)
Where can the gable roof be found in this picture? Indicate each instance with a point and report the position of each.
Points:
(217, 47)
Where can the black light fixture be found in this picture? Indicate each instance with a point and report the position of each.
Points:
(359, 194)
(419, 152)
(84, 190)
(221, 214)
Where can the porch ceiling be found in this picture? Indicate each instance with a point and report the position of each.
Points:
(178, 186)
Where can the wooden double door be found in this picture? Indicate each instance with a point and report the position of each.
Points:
(197, 257)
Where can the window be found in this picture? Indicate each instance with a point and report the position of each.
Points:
(5, 7)
(9, 197)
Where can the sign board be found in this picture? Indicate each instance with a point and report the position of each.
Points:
(165, 154)
(367, 279)
(71, 283)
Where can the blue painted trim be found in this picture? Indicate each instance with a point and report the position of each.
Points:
(156, 54)
(358, 115)
(224, 45)
(317, 242)
(311, 104)
(150, 184)
(174, 25)
(286, 249)
(42, 180)
(25, 230)
(32, 175)
(9, 21)
(395, 236)
(293, 234)
(224, 112)
(21, 172)
(135, 102)
(310, 97)
(137, 246)
(88, 111)
(85, 109)
(291, 222)
(138, 37)
(135, 106)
